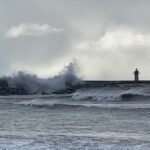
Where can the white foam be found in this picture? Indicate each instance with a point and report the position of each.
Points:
(36, 102)
(110, 93)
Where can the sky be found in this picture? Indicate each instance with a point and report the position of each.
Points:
(107, 39)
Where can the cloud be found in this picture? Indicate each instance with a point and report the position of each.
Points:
(28, 29)
(124, 39)
(108, 40)
(116, 39)
(119, 48)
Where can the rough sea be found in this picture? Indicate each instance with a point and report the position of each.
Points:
(106, 118)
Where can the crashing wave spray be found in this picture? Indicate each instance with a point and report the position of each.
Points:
(25, 83)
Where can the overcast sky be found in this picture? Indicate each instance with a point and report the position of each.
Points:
(108, 39)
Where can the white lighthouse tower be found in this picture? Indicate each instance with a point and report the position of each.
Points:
(136, 75)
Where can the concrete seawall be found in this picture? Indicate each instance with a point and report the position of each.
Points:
(90, 84)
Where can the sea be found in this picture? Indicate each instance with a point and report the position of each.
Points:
(102, 118)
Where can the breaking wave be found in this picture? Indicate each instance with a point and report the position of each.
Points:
(93, 98)
(24, 83)
(127, 93)
(96, 98)
(130, 96)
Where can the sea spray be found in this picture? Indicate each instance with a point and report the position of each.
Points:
(25, 83)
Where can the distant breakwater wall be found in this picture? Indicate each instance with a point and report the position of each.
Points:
(92, 84)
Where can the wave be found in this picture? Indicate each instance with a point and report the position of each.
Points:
(40, 103)
(24, 83)
(112, 94)
(89, 98)
(136, 97)
(49, 104)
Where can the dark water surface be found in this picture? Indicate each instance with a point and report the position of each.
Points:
(70, 122)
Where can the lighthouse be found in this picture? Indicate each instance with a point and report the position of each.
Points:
(136, 75)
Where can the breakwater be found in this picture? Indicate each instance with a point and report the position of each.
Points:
(100, 83)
